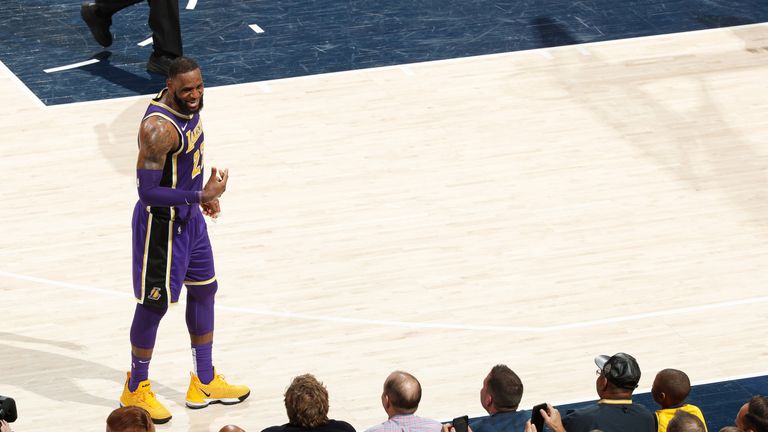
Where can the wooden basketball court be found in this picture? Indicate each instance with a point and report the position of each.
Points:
(535, 209)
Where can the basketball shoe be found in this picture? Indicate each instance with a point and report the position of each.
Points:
(144, 397)
(200, 395)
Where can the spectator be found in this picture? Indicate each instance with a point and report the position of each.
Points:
(163, 20)
(400, 399)
(670, 389)
(130, 419)
(684, 421)
(306, 402)
(614, 412)
(753, 415)
(500, 397)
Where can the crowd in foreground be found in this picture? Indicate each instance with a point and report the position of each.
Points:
(306, 403)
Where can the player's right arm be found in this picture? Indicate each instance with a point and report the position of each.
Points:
(157, 137)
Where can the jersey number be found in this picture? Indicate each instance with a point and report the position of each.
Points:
(198, 161)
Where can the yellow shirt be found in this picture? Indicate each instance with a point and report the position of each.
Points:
(663, 416)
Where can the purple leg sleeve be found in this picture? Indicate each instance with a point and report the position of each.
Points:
(143, 335)
(200, 299)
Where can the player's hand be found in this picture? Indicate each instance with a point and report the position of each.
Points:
(211, 208)
(216, 185)
(4, 426)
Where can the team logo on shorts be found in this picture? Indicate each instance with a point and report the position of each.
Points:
(154, 294)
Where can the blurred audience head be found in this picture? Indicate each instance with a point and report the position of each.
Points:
(306, 402)
(685, 422)
(130, 419)
(502, 390)
(670, 387)
(753, 415)
(231, 428)
(402, 393)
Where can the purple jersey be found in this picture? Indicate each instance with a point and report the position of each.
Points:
(183, 164)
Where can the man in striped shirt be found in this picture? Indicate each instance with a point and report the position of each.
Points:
(400, 399)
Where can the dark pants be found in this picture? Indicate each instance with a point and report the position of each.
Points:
(163, 20)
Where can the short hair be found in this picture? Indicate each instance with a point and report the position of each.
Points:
(404, 391)
(181, 65)
(685, 422)
(505, 387)
(730, 429)
(675, 384)
(130, 419)
(756, 417)
(306, 402)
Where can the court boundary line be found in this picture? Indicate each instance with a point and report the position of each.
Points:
(580, 46)
(414, 325)
(20, 84)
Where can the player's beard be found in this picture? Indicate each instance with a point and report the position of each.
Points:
(183, 105)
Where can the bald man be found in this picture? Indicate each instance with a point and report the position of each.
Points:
(400, 399)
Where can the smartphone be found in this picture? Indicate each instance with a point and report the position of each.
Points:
(461, 423)
(536, 418)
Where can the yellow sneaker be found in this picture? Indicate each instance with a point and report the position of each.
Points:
(200, 395)
(144, 397)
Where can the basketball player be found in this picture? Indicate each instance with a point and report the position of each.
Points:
(170, 241)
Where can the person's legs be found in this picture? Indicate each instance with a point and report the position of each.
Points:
(205, 385)
(158, 269)
(166, 28)
(107, 8)
(146, 321)
(166, 34)
(98, 17)
(137, 390)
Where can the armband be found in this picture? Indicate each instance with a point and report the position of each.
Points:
(152, 194)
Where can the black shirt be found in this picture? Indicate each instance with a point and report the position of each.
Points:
(611, 416)
(331, 426)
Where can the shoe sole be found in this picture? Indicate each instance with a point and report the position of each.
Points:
(225, 401)
(154, 420)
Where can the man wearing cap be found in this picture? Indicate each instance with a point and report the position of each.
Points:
(617, 378)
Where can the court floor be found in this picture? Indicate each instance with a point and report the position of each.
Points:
(535, 209)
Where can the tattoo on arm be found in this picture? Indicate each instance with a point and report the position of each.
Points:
(157, 136)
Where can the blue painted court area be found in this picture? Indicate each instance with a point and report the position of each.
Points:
(304, 37)
(719, 401)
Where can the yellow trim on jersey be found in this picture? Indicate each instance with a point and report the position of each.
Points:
(168, 259)
(156, 102)
(159, 114)
(175, 171)
(144, 260)
(615, 401)
(196, 283)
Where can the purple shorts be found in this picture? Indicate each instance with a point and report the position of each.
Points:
(168, 254)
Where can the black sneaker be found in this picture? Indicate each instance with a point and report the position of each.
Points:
(159, 64)
(99, 26)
